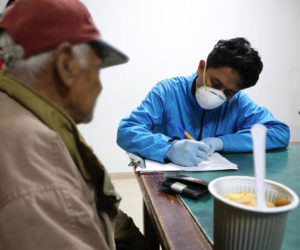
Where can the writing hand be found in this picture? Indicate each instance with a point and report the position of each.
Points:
(187, 152)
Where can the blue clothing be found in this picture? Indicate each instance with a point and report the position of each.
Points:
(148, 129)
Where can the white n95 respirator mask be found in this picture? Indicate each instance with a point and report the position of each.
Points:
(209, 98)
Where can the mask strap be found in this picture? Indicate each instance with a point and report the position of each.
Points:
(204, 77)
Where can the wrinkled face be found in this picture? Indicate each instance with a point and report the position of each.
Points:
(225, 79)
(86, 89)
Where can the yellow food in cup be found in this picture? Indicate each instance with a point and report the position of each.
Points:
(249, 199)
(282, 201)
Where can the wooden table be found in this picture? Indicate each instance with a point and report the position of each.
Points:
(166, 220)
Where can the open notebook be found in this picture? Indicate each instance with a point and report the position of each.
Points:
(215, 162)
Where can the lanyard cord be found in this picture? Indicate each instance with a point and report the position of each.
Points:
(201, 126)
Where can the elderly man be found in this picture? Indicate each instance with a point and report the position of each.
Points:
(209, 104)
(54, 192)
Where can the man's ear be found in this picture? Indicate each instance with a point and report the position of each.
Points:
(201, 67)
(66, 64)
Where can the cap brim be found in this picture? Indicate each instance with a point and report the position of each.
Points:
(110, 55)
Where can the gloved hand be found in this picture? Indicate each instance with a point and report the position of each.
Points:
(187, 152)
(214, 143)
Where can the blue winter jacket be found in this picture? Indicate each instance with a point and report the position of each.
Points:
(148, 129)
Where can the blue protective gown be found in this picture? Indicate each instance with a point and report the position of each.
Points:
(148, 129)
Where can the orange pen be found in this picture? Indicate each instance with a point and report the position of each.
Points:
(188, 135)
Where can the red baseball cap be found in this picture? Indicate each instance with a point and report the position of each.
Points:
(41, 25)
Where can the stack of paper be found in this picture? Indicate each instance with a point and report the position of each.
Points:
(215, 162)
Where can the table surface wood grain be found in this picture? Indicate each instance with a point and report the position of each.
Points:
(173, 225)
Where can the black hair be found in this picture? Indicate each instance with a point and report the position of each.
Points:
(237, 54)
(9, 3)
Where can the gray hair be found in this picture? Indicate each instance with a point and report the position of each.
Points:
(26, 69)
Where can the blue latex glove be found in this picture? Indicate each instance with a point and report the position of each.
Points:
(187, 152)
(214, 143)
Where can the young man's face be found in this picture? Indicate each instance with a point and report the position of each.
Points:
(225, 79)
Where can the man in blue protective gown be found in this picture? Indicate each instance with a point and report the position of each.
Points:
(210, 105)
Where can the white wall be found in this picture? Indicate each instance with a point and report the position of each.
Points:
(2, 4)
(166, 38)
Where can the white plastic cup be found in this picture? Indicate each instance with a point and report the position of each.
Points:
(238, 226)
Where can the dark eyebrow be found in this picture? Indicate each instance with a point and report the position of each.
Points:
(217, 80)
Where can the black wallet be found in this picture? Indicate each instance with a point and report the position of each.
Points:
(186, 186)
